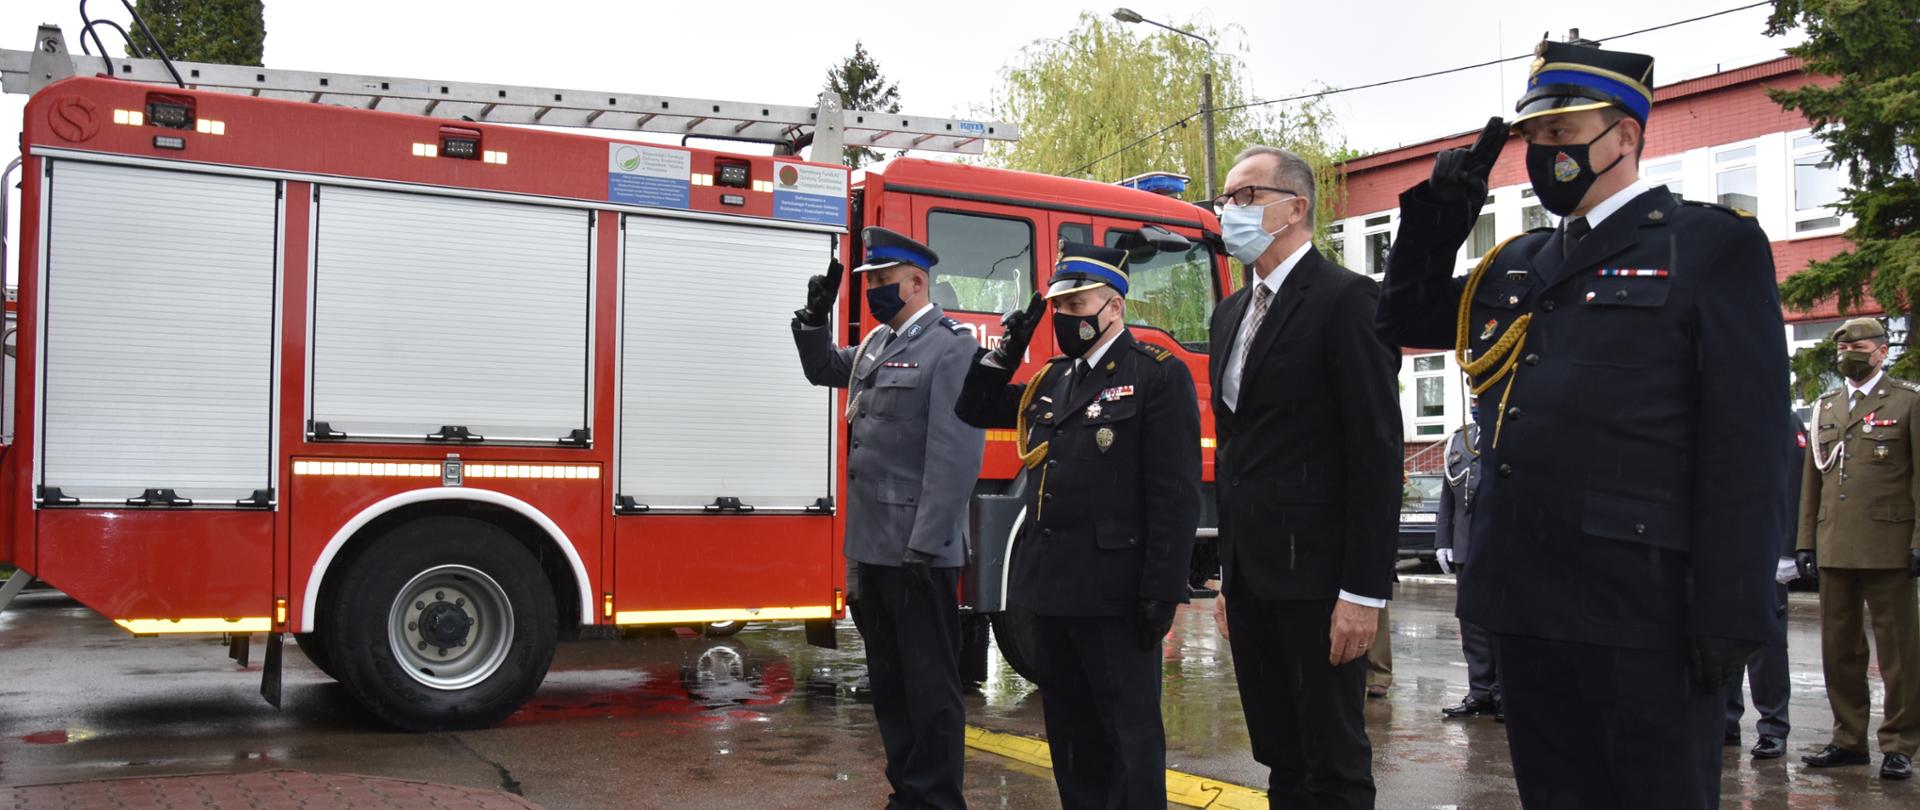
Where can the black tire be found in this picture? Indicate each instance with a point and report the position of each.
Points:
(1013, 631)
(491, 607)
(315, 649)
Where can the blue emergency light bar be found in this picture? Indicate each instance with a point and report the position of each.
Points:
(1167, 183)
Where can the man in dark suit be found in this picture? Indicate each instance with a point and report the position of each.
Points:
(1306, 405)
(1111, 432)
(1625, 531)
(1450, 543)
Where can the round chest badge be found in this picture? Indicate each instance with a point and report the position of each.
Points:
(1565, 168)
(73, 118)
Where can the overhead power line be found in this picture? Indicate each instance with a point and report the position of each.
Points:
(1428, 75)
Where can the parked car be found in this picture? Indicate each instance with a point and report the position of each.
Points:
(1419, 510)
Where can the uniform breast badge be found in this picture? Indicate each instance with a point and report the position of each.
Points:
(1492, 324)
(1093, 411)
(1880, 452)
(1104, 438)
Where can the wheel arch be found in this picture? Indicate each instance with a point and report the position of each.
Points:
(527, 524)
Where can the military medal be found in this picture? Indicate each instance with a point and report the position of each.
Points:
(1104, 438)
(1093, 411)
(1866, 425)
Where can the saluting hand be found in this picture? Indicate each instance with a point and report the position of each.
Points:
(822, 292)
(1460, 175)
(1353, 630)
(1017, 327)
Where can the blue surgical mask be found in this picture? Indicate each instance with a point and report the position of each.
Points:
(1240, 226)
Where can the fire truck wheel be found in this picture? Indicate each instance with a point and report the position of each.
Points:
(1013, 630)
(315, 648)
(722, 629)
(446, 624)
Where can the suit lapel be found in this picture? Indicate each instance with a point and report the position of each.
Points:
(1616, 233)
(1232, 311)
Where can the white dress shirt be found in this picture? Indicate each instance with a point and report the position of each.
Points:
(1619, 200)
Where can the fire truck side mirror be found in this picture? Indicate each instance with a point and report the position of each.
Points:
(1151, 240)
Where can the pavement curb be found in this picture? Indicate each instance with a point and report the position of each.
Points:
(259, 789)
(1183, 789)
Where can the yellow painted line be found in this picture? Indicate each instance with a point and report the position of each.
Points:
(150, 627)
(769, 614)
(1183, 789)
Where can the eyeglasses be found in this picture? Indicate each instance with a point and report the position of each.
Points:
(1244, 195)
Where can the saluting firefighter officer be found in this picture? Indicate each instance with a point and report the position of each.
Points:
(1859, 538)
(911, 465)
(1110, 435)
(1627, 525)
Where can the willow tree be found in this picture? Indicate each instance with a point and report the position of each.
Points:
(1102, 103)
(227, 32)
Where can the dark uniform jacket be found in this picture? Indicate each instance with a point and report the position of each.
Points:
(911, 464)
(1112, 511)
(1634, 495)
(1308, 468)
(1859, 490)
(1462, 472)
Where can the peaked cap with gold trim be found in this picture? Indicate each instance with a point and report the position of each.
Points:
(1574, 76)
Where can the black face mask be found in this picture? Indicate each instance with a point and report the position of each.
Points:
(885, 302)
(1077, 333)
(1561, 175)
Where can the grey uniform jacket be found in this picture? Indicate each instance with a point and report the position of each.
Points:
(1463, 474)
(911, 463)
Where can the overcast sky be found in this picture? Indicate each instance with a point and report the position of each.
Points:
(947, 57)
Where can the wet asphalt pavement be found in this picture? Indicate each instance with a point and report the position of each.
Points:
(759, 720)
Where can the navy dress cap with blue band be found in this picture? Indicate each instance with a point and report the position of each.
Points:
(886, 248)
(1083, 267)
(1570, 77)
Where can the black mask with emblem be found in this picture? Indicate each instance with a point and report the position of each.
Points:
(1561, 175)
(1077, 333)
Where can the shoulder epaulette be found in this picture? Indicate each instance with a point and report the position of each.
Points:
(1738, 212)
(1915, 387)
(957, 327)
(1159, 354)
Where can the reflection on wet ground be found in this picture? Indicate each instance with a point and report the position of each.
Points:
(761, 718)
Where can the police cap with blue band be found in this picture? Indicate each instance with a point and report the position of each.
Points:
(886, 248)
(1573, 76)
(1084, 267)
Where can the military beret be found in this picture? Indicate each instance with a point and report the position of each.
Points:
(1859, 329)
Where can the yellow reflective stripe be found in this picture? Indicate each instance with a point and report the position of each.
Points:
(1183, 789)
(407, 469)
(1002, 435)
(148, 627)
(771, 614)
(1208, 443)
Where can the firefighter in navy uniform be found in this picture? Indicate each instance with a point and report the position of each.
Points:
(1110, 436)
(1624, 536)
(910, 469)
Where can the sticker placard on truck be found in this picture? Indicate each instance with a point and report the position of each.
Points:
(649, 175)
(804, 193)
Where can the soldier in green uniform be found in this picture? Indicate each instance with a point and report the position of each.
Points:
(1857, 535)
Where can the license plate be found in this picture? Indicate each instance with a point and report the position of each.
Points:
(1418, 517)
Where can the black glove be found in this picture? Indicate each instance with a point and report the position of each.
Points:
(822, 292)
(1718, 661)
(1460, 175)
(1809, 570)
(918, 566)
(1913, 563)
(1018, 325)
(1204, 564)
(1156, 618)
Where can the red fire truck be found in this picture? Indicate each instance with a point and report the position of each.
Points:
(429, 390)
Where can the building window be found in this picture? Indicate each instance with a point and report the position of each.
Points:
(1379, 237)
(1429, 395)
(1337, 243)
(1736, 178)
(1533, 216)
(1485, 232)
(1666, 173)
(1816, 186)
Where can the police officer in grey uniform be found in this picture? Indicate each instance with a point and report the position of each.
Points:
(911, 465)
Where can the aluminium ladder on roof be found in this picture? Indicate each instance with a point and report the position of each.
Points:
(49, 61)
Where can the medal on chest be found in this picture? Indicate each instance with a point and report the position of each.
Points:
(1103, 438)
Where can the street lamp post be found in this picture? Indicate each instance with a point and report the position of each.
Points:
(1126, 15)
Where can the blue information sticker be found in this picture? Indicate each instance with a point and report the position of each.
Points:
(649, 175)
(804, 193)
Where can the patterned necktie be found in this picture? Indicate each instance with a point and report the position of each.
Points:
(1262, 295)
